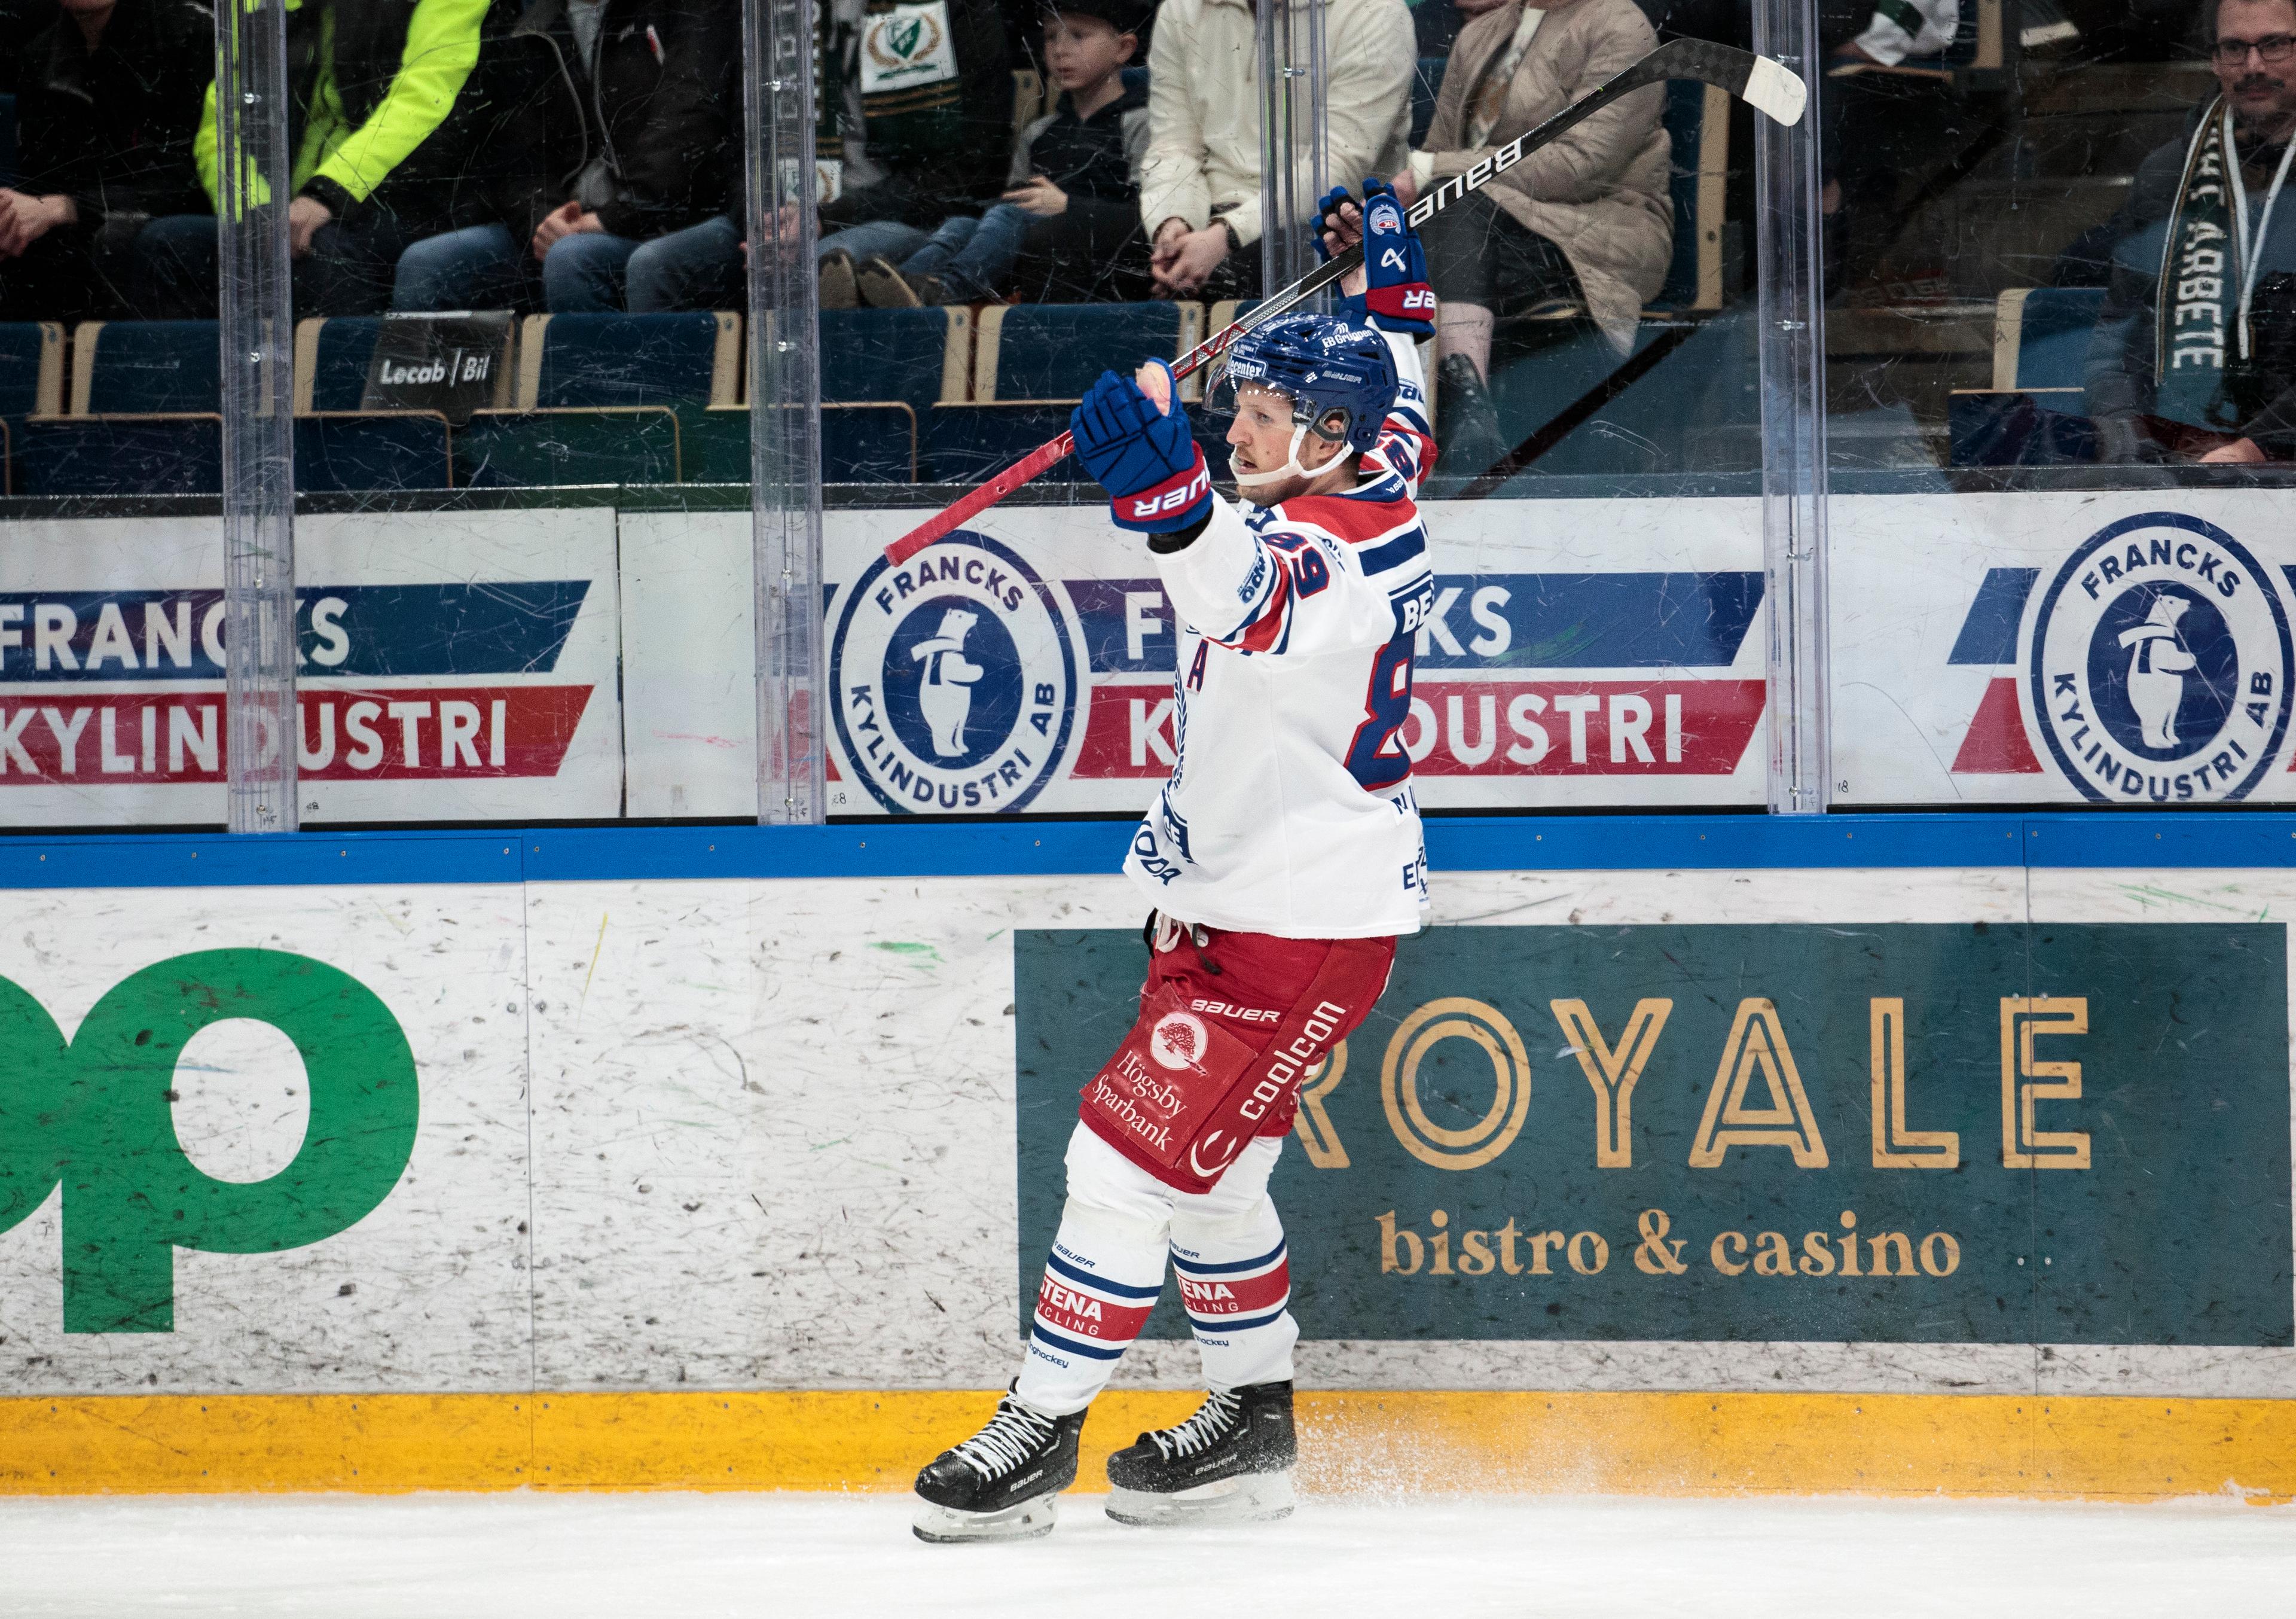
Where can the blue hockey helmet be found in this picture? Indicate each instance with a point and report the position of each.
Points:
(1325, 367)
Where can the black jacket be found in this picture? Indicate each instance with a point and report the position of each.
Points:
(114, 131)
(944, 147)
(356, 49)
(2120, 376)
(658, 129)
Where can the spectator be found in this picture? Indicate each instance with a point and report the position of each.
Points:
(2191, 358)
(1585, 219)
(1073, 214)
(1200, 183)
(619, 160)
(380, 143)
(107, 104)
(935, 86)
(1888, 118)
(20, 22)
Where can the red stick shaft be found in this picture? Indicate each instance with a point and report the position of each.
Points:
(1037, 462)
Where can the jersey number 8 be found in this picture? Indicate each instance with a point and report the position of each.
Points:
(1376, 757)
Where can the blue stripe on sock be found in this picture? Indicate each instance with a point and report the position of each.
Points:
(1072, 1346)
(1052, 1262)
(1194, 1269)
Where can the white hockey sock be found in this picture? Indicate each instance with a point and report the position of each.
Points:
(1235, 1282)
(1100, 1280)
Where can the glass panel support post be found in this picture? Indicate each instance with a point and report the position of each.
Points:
(1789, 245)
(1294, 138)
(780, 59)
(256, 333)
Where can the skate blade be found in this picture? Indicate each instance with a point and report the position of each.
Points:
(1257, 1498)
(946, 1526)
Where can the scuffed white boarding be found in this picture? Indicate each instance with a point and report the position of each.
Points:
(1256, 1498)
(946, 1526)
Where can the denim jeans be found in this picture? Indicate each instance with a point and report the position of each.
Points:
(973, 258)
(481, 268)
(698, 267)
(880, 238)
(347, 272)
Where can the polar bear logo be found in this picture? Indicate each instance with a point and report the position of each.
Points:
(945, 698)
(2158, 663)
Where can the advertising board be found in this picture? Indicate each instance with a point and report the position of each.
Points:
(454, 667)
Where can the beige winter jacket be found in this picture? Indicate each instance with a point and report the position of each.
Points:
(1600, 191)
(1204, 97)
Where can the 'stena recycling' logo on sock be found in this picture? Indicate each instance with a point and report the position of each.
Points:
(93, 1115)
(2158, 662)
(953, 677)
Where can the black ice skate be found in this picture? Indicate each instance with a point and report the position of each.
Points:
(1231, 1462)
(1000, 1483)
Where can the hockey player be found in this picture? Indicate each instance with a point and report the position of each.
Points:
(1283, 856)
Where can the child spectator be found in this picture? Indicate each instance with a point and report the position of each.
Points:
(934, 84)
(1072, 217)
(1200, 182)
(107, 102)
(617, 167)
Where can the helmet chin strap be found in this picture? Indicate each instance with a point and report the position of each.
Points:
(1248, 481)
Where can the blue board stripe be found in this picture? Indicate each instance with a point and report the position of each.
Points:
(1989, 634)
(1589, 843)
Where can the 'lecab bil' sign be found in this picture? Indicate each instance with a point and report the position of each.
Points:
(1934, 1133)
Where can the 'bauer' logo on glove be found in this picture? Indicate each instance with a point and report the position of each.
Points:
(1152, 469)
(1397, 296)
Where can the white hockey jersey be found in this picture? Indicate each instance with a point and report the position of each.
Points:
(1289, 809)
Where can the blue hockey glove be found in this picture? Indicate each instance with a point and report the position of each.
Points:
(1327, 220)
(1152, 470)
(1396, 296)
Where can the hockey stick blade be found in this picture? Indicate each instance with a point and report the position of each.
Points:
(1770, 87)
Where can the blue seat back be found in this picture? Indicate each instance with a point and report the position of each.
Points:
(144, 367)
(883, 354)
(1055, 351)
(2053, 341)
(627, 359)
(21, 344)
(344, 351)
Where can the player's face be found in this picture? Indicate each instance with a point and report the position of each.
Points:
(1261, 439)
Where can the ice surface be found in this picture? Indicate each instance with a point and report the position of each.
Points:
(672, 1556)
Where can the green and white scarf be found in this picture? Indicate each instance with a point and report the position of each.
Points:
(2209, 267)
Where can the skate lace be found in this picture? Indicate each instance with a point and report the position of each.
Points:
(1210, 1424)
(1014, 1433)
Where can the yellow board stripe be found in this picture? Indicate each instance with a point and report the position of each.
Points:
(1622, 1443)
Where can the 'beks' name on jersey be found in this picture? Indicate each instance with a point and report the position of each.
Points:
(1289, 809)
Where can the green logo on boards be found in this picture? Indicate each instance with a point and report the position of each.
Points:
(95, 1116)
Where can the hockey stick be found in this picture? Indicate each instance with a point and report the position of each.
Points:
(1769, 88)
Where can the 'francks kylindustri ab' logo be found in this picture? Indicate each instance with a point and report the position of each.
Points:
(954, 679)
(2158, 664)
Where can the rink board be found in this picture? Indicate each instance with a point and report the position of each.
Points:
(717, 1176)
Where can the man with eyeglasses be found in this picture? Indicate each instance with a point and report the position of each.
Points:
(2194, 354)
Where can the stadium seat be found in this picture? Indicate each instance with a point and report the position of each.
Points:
(967, 443)
(2035, 413)
(2041, 336)
(629, 444)
(571, 362)
(868, 443)
(1055, 351)
(31, 382)
(179, 453)
(143, 367)
(361, 451)
(333, 356)
(1698, 119)
(922, 357)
